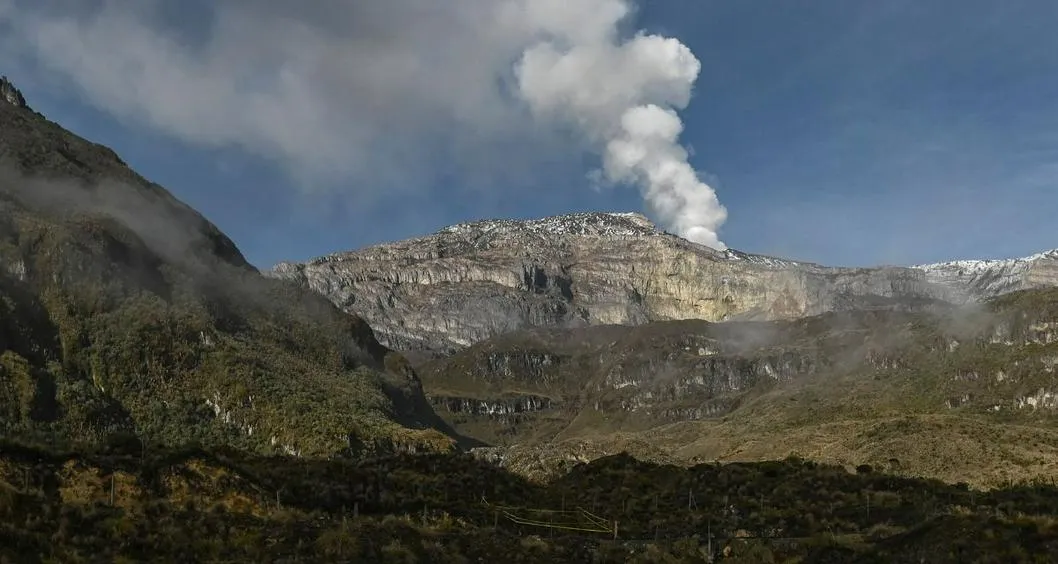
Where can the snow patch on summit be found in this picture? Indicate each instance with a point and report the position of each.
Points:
(625, 224)
(981, 266)
(762, 260)
(611, 225)
(987, 278)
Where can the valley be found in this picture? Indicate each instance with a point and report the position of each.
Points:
(583, 388)
(557, 340)
(958, 395)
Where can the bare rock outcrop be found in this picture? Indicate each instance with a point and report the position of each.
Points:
(10, 94)
(471, 281)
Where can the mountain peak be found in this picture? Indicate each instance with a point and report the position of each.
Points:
(10, 94)
(598, 224)
(979, 265)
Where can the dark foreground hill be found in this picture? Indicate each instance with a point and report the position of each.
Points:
(133, 504)
(122, 310)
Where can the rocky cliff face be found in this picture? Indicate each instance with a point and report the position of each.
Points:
(10, 94)
(472, 281)
(976, 385)
(977, 280)
(549, 383)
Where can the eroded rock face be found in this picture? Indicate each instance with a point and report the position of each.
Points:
(472, 281)
(537, 385)
(678, 381)
(10, 94)
(976, 280)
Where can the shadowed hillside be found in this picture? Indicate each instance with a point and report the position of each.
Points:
(122, 310)
(129, 503)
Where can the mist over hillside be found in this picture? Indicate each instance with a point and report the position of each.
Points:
(521, 370)
(131, 313)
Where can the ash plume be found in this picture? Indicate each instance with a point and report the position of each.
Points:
(622, 96)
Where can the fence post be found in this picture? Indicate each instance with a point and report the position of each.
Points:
(709, 539)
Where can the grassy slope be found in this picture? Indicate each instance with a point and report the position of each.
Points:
(123, 310)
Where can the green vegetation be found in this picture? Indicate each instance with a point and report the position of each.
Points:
(131, 328)
(960, 394)
(124, 311)
(104, 336)
(134, 503)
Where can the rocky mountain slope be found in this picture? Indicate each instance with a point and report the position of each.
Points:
(572, 337)
(122, 310)
(977, 280)
(964, 394)
(468, 282)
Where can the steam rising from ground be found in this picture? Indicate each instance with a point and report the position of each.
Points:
(367, 92)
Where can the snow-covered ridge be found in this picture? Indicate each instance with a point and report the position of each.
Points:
(773, 262)
(625, 224)
(971, 267)
(608, 225)
(603, 225)
(975, 280)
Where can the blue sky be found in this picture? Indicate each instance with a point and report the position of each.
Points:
(851, 133)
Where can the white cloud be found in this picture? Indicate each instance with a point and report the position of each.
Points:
(359, 89)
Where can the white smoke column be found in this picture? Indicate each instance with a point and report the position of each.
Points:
(622, 95)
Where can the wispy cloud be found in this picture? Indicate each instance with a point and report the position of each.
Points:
(330, 88)
(389, 94)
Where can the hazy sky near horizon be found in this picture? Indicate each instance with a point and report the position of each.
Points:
(839, 132)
